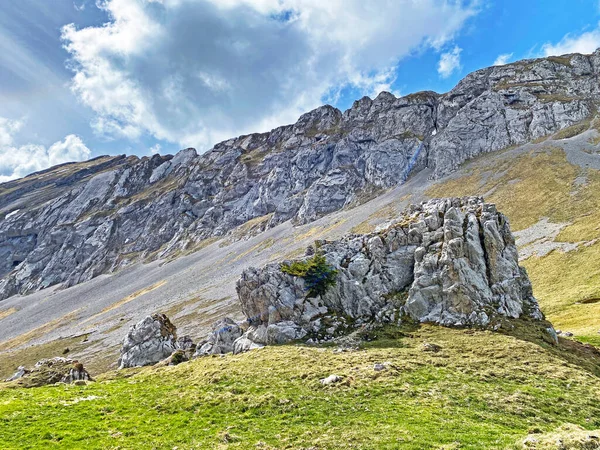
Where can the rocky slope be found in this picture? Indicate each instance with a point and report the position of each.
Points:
(74, 222)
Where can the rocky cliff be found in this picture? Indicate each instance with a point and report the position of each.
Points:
(73, 222)
(451, 262)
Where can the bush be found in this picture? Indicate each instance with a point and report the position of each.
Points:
(317, 274)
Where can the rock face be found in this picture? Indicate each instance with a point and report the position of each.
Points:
(73, 222)
(149, 341)
(452, 262)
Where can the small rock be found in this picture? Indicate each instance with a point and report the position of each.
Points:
(21, 371)
(558, 331)
(568, 334)
(330, 380)
(378, 367)
(65, 351)
(429, 347)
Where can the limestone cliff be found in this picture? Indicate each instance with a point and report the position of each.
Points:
(73, 222)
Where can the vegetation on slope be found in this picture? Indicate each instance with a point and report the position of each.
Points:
(482, 390)
(527, 188)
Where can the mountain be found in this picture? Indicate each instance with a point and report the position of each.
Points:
(73, 222)
(98, 245)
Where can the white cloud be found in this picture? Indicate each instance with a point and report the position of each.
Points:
(7, 130)
(18, 161)
(584, 43)
(194, 72)
(449, 62)
(503, 59)
(155, 149)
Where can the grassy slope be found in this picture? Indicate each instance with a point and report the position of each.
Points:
(543, 184)
(482, 390)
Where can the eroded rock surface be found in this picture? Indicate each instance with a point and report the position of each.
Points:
(73, 222)
(149, 341)
(451, 261)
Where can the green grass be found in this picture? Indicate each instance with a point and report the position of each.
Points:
(482, 390)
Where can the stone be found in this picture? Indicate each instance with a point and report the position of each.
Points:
(21, 372)
(97, 217)
(429, 347)
(177, 357)
(149, 341)
(451, 262)
(51, 371)
(77, 374)
(378, 367)
(331, 379)
(221, 340)
(243, 344)
(567, 334)
(552, 335)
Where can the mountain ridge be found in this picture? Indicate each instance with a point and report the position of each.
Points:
(86, 219)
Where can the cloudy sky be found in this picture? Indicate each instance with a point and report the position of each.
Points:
(83, 78)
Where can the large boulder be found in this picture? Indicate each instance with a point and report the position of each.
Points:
(148, 342)
(450, 261)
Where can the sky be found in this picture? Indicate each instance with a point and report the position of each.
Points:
(84, 78)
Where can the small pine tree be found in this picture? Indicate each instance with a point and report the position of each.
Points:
(317, 274)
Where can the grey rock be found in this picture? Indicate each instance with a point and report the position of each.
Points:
(331, 379)
(73, 222)
(243, 344)
(21, 372)
(221, 340)
(149, 341)
(552, 335)
(429, 347)
(378, 367)
(451, 261)
(77, 375)
(51, 371)
(567, 334)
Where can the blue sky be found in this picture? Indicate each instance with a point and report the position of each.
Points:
(82, 78)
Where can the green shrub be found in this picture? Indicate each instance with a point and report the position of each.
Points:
(317, 274)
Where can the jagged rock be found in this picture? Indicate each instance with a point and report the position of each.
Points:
(184, 343)
(75, 221)
(449, 261)
(77, 373)
(51, 371)
(282, 332)
(148, 342)
(221, 340)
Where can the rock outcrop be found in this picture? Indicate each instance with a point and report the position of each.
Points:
(149, 341)
(451, 262)
(73, 222)
(50, 371)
